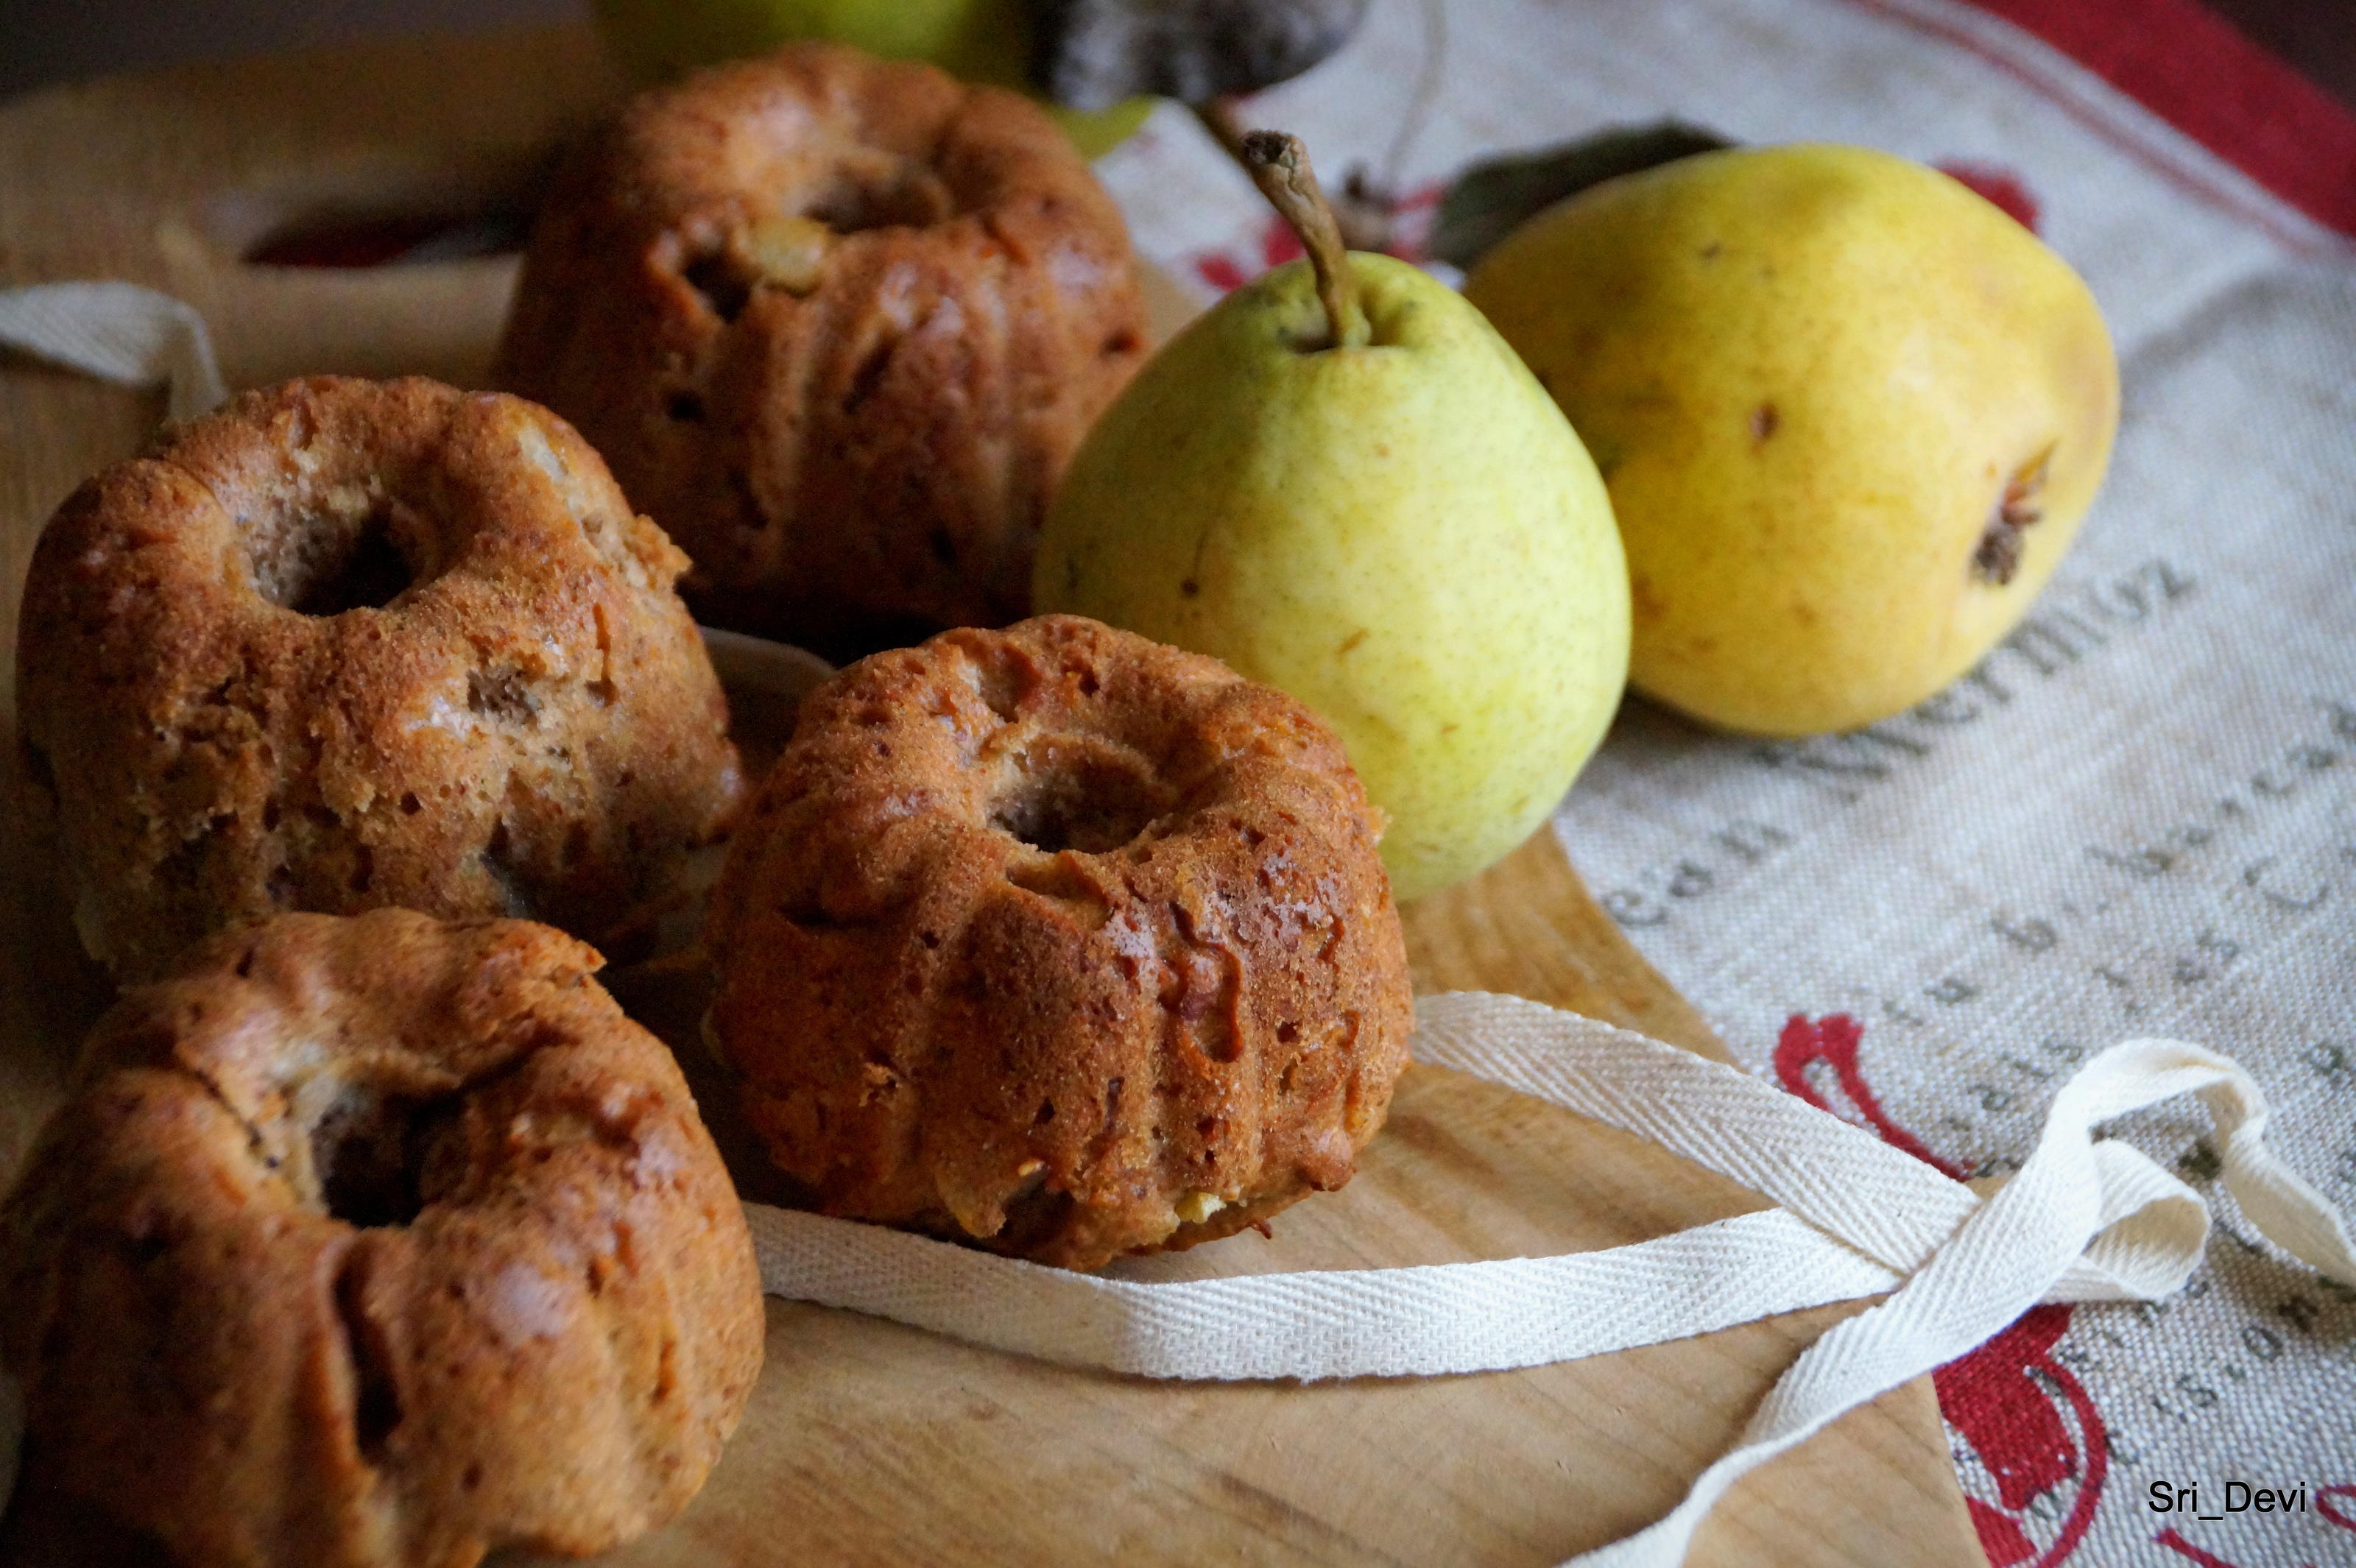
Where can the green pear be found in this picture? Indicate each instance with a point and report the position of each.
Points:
(1850, 413)
(1391, 521)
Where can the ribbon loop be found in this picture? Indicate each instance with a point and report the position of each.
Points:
(119, 333)
(2152, 1231)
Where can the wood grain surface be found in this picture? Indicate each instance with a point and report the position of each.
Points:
(867, 1442)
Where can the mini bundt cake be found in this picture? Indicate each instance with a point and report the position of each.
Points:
(352, 643)
(1061, 942)
(838, 324)
(375, 1243)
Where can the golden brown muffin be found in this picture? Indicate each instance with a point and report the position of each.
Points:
(1063, 942)
(352, 644)
(376, 1241)
(838, 324)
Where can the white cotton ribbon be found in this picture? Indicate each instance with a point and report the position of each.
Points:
(2083, 1221)
(119, 333)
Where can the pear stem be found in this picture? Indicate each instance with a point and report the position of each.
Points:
(1279, 167)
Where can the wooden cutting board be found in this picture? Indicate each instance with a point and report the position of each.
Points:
(866, 1441)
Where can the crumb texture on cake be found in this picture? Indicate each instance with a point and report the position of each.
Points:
(350, 644)
(375, 1243)
(1061, 942)
(838, 324)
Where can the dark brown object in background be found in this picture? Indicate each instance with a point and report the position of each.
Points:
(1091, 54)
(2316, 37)
(839, 324)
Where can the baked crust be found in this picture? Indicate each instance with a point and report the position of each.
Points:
(350, 644)
(1061, 942)
(376, 1241)
(838, 324)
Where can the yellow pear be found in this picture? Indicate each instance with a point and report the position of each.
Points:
(1850, 414)
(1387, 519)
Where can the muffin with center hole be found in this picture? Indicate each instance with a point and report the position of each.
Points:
(348, 643)
(372, 1243)
(1061, 942)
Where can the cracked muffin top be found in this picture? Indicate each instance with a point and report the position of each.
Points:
(1060, 942)
(350, 644)
(375, 1243)
(839, 323)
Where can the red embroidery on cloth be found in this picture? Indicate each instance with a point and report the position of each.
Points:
(1833, 1039)
(1218, 268)
(2195, 70)
(2022, 1442)
(2008, 1398)
(2001, 1397)
(2327, 1500)
(1225, 271)
(2174, 1540)
(2000, 1539)
(2238, 114)
(1996, 185)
